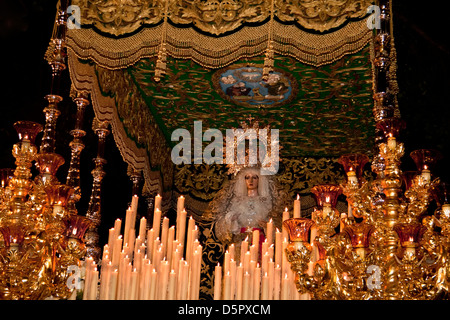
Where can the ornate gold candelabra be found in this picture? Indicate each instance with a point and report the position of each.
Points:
(40, 238)
(389, 246)
(392, 248)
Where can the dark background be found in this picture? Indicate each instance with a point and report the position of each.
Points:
(26, 26)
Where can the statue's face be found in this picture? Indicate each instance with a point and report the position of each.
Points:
(252, 181)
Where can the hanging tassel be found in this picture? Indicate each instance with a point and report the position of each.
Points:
(269, 55)
(161, 61)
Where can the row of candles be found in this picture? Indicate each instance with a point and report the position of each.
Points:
(263, 272)
(165, 262)
(162, 263)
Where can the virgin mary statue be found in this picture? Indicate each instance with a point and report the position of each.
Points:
(247, 203)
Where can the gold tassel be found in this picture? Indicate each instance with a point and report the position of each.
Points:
(269, 55)
(161, 62)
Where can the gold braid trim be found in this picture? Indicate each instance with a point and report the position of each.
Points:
(210, 52)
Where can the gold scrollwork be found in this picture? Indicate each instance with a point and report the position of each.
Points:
(216, 17)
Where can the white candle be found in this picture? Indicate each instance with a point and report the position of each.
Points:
(111, 239)
(153, 283)
(426, 174)
(277, 283)
(391, 142)
(133, 285)
(165, 234)
(181, 230)
(156, 222)
(244, 248)
(164, 279)
(113, 285)
(217, 282)
(285, 286)
(94, 285)
(142, 228)
(171, 291)
(158, 200)
(180, 205)
(352, 178)
(170, 242)
(285, 232)
(246, 287)
(265, 287)
(270, 232)
(227, 286)
(116, 252)
(256, 283)
(278, 244)
(297, 208)
(255, 240)
(239, 281)
(126, 232)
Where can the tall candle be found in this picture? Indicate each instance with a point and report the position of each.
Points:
(113, 285)
(111, 239)
(265, 287)
(158, 200)
(227, 286)
(297, 208)
(165, 234)
(255, 240)
(244, 248)
(126, 233)
(256, 283)
(163, 280)
(171, 291)
(233, 268)
(153, 283)
(278, 244)
(181, 230)
(142, 228)
(284, 231)
(150, 242)
(189, 240)
(156, 222)
(277, 283)
(217, 282)
(170, 241)
(133, 285)
(285, 287)
(246, 286)
(239, 281)
(94, 285)
(270, 232)
(315, 249)
(180, 205)
(270, 273)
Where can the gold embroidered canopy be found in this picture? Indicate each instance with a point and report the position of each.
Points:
(319, 50)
